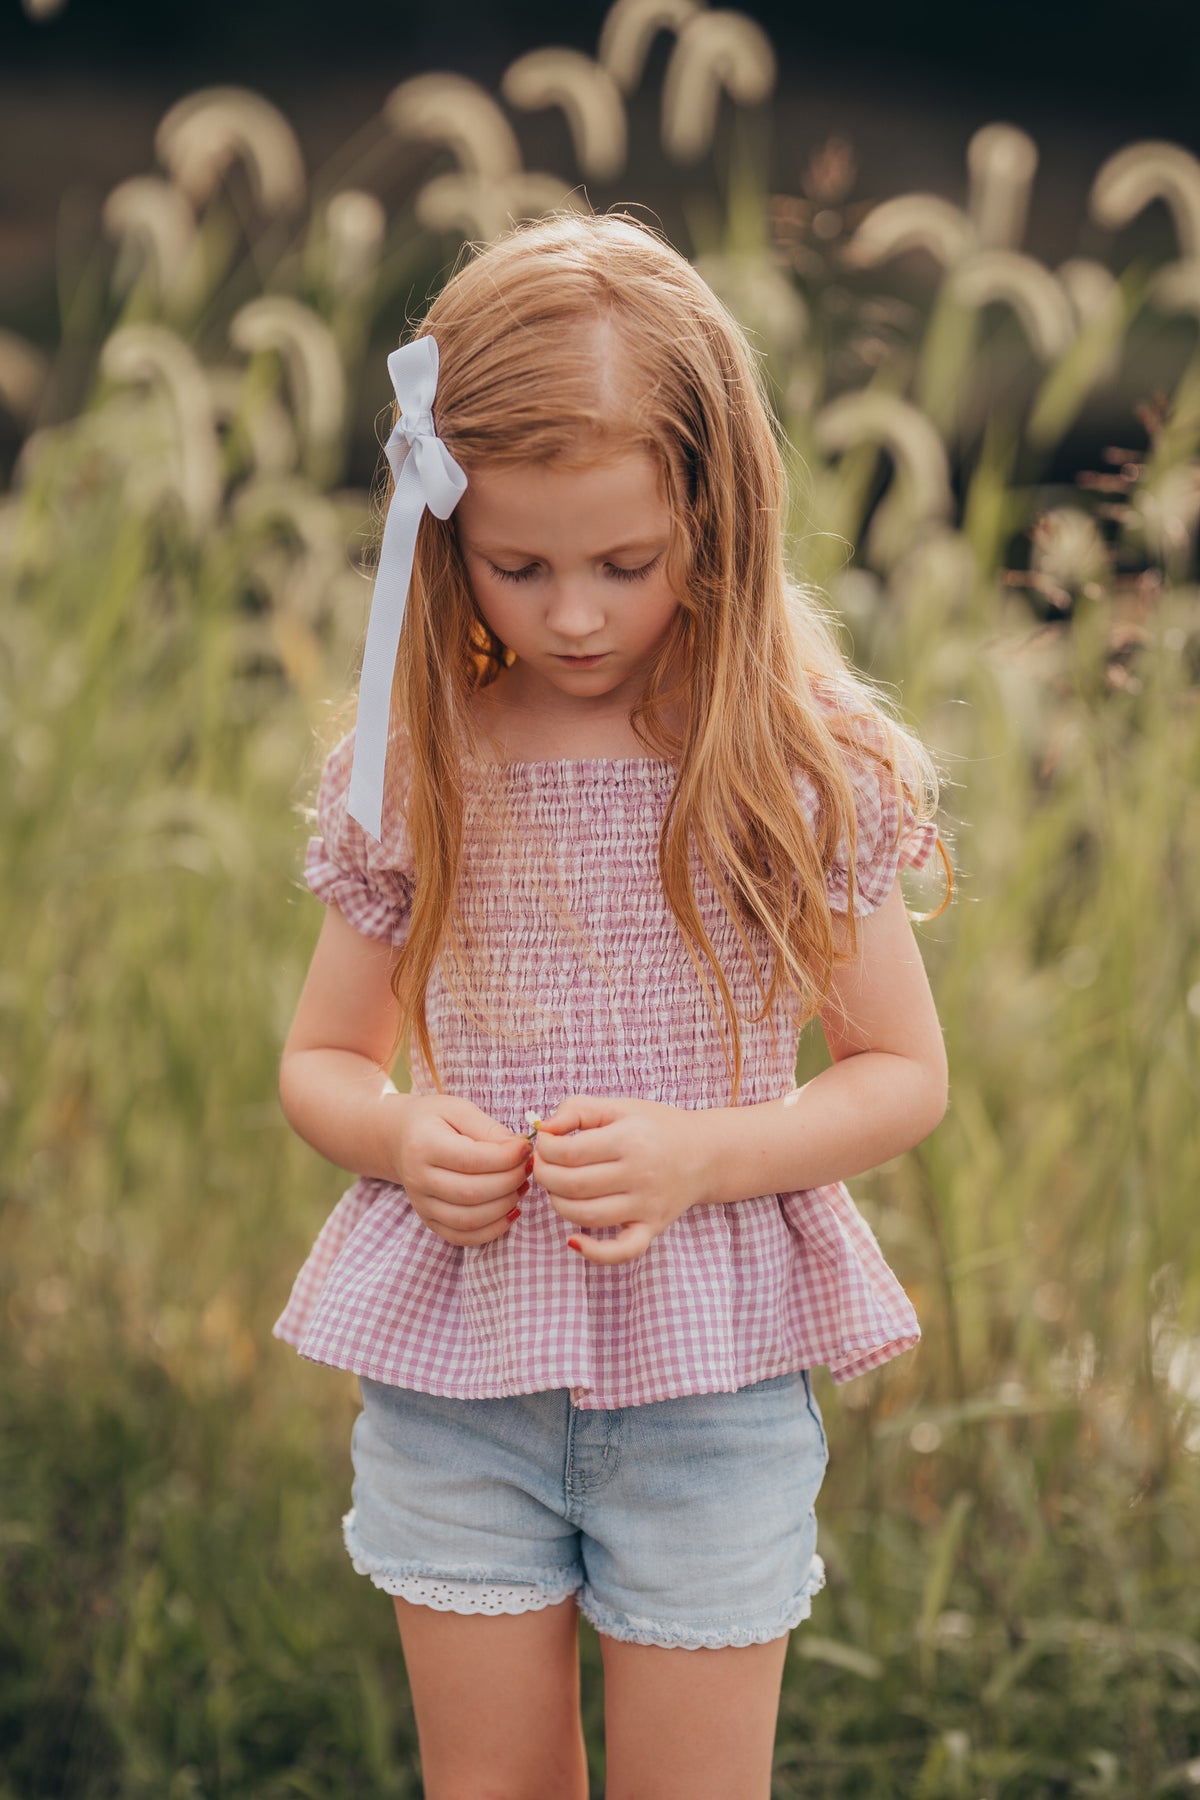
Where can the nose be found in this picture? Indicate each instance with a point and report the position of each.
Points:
(573, 612)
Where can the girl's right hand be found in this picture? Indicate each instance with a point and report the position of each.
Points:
(463, 1172)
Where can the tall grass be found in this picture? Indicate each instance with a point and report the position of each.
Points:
(1012, 1518)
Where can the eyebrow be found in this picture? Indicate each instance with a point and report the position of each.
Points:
(647, 543)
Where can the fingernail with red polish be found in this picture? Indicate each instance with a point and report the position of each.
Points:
(514, 1214)
(574, 1244)
(524, 1188)
(529, 1167)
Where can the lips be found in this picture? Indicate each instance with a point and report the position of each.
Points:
(584, 661)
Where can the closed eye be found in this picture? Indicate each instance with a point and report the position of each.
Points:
(611, 569)
(513, 574)
(633, 574)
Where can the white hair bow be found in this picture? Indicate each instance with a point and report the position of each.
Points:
(426, 475)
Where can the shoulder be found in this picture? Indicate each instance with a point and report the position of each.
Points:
(859, 742)
(342, 832)
(368, 880)
(844, 707)
(890, 827)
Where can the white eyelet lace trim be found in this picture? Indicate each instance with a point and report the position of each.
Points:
(682, 1637)
(462, 1596)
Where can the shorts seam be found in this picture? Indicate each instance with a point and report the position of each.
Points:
(814, 1413)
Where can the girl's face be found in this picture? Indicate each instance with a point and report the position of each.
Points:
(570, 562)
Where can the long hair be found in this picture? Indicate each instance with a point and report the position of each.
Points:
(568, 339)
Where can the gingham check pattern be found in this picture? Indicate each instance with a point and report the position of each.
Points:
(729, 1294)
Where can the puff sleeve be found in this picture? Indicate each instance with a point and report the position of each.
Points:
(886, 842)
(368, 882)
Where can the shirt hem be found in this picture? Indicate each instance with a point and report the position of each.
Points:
(844, 1364)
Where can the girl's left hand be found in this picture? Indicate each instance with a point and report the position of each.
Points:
(633, 1163)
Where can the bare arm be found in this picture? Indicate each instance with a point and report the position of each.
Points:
(334, 1090)
(460, 1168)
(640, 1164)
(886, 1090)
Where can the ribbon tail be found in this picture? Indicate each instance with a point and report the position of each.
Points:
(365, 796)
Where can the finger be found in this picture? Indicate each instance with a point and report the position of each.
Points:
(453, 1189)
(461, 1196)
(595, 1182)
(629, 1244)
(591, 1145)
(470, 1122)
(610, 1209)
(464, 1116)
(471, 1156)
(471, 1239)
(588, 1206)
(469, 1222)
(580, 1112)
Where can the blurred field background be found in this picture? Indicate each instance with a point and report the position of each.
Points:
(997, 484)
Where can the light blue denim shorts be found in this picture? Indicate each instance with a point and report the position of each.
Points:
(685, 1523)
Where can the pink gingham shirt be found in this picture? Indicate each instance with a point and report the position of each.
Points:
(729, 1294)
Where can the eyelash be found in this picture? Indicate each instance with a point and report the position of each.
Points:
(527, 574)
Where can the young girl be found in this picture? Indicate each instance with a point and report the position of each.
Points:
(616, 821)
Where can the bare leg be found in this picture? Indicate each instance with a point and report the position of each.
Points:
(497, 1702)
(690, 1724)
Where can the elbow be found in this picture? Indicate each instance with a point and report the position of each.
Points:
(935, 1092)
(922, 1099)
(939, 1110)
(287, 1087)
